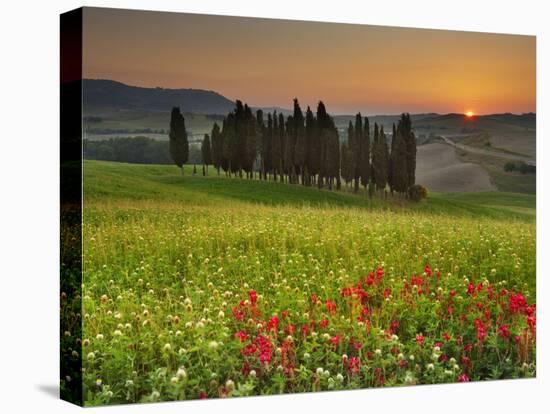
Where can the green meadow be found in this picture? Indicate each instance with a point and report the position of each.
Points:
(202, 287)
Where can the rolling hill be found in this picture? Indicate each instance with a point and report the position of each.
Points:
(102, 93)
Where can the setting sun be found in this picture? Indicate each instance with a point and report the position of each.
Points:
(469, 114)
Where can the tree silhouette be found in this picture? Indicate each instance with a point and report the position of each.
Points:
(206, 153)
(179, 146)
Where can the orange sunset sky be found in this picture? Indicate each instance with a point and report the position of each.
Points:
(372, 69)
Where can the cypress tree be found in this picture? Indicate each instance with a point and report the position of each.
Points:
(348, 155)
(399, 161)
(179, 145)
(216, 149)
(411, 151)
(267, 147)
(365, 165)
(357, 151)
(260, 133)
(300, 144)
(250, 142)
(206, 153)
(312, 142)
(277, 152)
(379, 158)
(230, 144)
(282, 140)
(289, 146)
(390, 159)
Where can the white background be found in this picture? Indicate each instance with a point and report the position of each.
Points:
(29, 190)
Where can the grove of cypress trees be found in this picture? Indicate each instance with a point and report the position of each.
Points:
(179, 145)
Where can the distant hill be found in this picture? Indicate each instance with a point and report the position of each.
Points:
(102, 93)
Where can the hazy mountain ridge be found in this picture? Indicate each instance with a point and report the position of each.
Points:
(103, 93)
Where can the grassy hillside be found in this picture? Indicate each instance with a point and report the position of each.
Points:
(115, 181)
(211, 287)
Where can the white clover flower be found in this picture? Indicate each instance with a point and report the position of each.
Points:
(98, 382)
(99, 336)
(230, 385)
(430, 367)
(155, 394)
(320, 371)
(400, 356)
(221, 314)
(306, 356)
(378, 352)
(252, 373)
(326, 373)
(411, 357)
(339, 377)
(91, 356)
(213, 345)
(117, 333)
(167, 347)
(181, 373)
(174, 380)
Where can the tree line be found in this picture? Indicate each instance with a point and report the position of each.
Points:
(304, 149)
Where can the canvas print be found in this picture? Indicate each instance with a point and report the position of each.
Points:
(255, 206)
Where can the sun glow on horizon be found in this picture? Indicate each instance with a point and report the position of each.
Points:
(469, 114)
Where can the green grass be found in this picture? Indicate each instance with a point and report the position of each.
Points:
(116, 181)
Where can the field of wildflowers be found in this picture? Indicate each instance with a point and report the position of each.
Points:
(183, 301)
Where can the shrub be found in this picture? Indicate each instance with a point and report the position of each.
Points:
(417, 192)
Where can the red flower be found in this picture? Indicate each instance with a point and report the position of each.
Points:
(203, 395)
(419, 339)
(463, 378)
(447, 337)
(238, 313)
(290, 329)
(241, 336)
(346, 292)
(314, 299)
(354, 365)
(427, 270)
(331, 307)
(335, 340)
(471, 289)
(253, 297)
(503, 331)
(273, 324)
(323, 323)
(305, 330)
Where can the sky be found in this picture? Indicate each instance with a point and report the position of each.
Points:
(351, 68)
